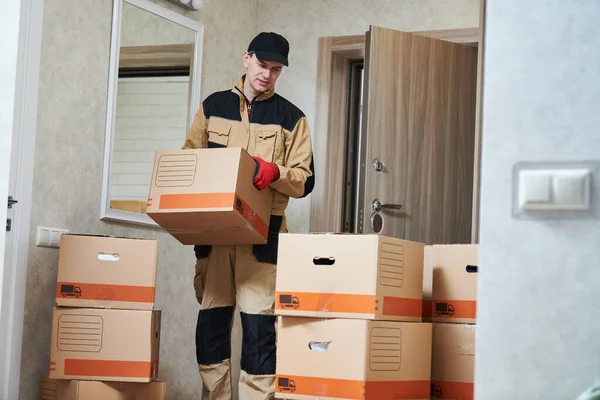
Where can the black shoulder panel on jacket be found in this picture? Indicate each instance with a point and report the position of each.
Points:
(276, 110)
(225, 104)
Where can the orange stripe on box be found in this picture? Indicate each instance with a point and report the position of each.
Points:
(104, 368)
(326, 302)
(96, 291)
(402, 307)
(310, 386)
(195, 200)
(453, 309)
(351, 389)
(214, 200)
(427, 307)
(252, 217)
(452, 390)
(396, 390)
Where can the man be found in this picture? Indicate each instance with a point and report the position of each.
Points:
(276, 134)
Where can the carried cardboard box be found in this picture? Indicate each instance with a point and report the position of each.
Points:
(54, 389)
(105, 345)
(207, 196)
(453, 361)
(352, 359)
(454, 286)
(349, 276)
(106, 272)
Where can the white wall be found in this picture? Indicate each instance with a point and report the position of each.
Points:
(152, 114)
(539, 334)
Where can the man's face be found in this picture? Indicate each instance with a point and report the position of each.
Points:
(261, 75)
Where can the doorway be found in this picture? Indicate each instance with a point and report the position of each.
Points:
(350, 199)
(336, 204)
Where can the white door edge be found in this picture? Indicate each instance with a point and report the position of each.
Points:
(13, 281)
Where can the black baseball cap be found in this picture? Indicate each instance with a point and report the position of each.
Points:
(270, 46)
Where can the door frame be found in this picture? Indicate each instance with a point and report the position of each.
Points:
(330, 129)
(14, 279)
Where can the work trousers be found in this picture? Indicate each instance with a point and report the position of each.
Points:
(224, 276)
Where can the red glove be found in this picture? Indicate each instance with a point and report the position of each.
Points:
(266, 173)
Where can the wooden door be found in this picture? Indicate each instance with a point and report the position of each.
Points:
(419, 122)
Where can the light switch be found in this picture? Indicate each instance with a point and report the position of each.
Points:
(49, 237)
(535, 190)
(571, 189)
(554, 190)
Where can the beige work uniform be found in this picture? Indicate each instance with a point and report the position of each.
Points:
(273, 129)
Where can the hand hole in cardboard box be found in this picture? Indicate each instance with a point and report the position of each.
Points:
(108, 257)
(471, 269)
(319, 346)
(324, 260)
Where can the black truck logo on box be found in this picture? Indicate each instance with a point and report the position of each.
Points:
(239, 205)
(446, 309)
(436, 390)
(286, 385)
(70, 291)
(289, 301)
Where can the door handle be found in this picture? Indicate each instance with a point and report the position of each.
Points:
(378, 206)
(11, 201)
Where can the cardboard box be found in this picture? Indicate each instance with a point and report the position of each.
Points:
(352, 359)
(94, 390)
(106, 272)
(453, 362)
(48, 388)
(207, 196)
(454, 292)
(105, 345)
(349, 276)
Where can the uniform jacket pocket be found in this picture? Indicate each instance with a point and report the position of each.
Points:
(267, 141)
(267, 253)
(218, 133)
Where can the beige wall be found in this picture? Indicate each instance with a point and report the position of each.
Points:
(68, 174)
(70, 139)
(302, 22)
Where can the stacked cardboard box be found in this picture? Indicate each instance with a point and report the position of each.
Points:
(55, 389)
(349, 323)
(450, 289)
(105, 331)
